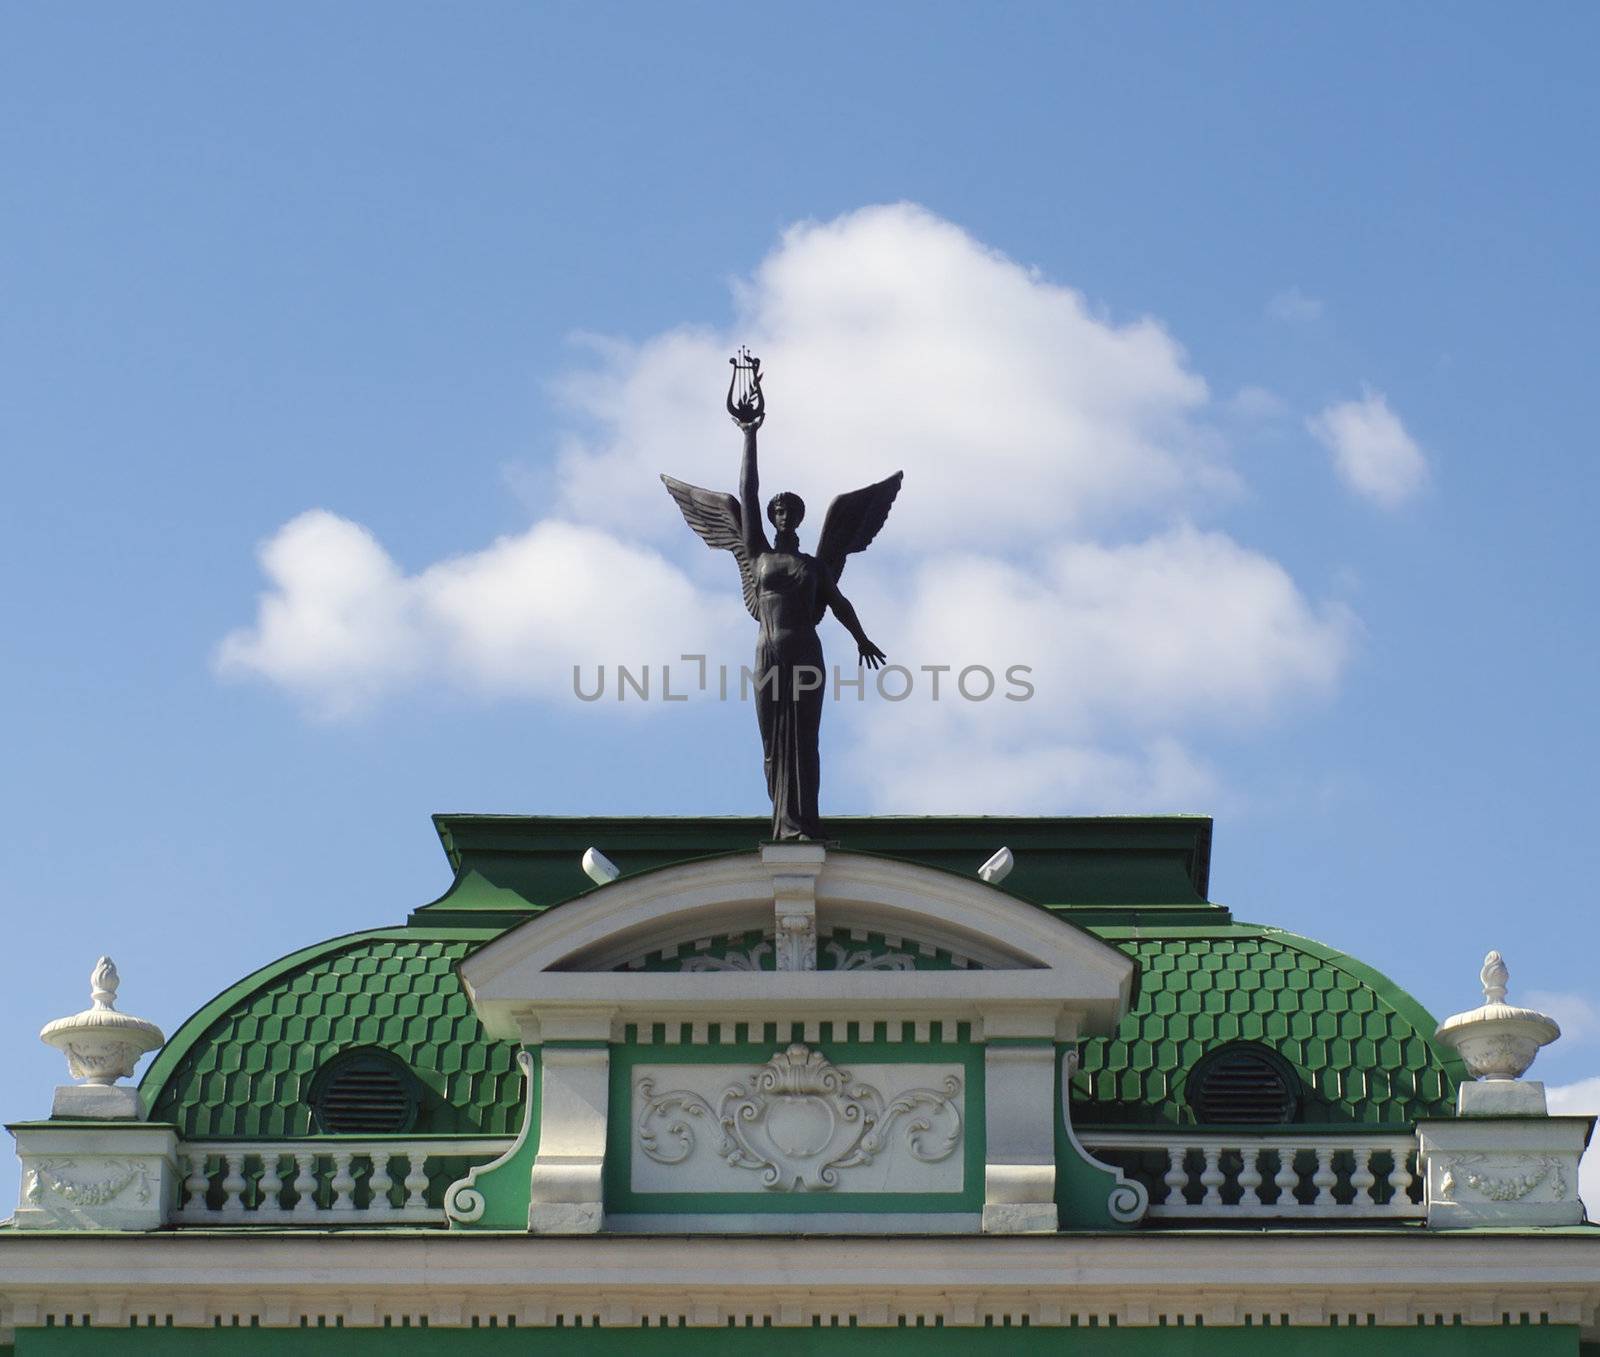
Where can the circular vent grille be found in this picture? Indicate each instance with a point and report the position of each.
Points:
(1243, 1086)
(365, 1092)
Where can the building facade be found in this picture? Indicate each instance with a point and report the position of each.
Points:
(655, 1082)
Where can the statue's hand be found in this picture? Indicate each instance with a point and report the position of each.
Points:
(871, 656)
(750, 410)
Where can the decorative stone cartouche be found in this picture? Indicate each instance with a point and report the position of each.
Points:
(1497, 1040)
(102, 1045)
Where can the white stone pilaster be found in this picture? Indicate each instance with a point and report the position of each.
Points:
(1019, 1178)
(567, 1195)
(794, 868)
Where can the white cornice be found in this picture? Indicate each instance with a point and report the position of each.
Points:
(1215, 1278)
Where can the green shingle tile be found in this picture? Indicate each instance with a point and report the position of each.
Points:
(1195, 993)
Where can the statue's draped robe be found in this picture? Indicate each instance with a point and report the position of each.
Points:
(789, 690)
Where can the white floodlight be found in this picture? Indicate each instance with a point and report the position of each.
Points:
(599, 868)
(998, 868)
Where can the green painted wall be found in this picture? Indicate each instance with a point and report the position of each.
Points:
(1514, 1341)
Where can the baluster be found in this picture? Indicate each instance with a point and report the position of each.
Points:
(1362, 1178)
(344, 1185)
(1250, 1176)
(198, 1183)
(305, 1186)
(380, 1182)
(1400, 1181)
(233, 1185)
(416, 1183)
(1211, 1177)
(1176, 1179)
(1324, 1178)
(1287, 1179)
(269, 1190)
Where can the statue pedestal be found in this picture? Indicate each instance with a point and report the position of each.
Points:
(96, 1102)
(1501, 1098)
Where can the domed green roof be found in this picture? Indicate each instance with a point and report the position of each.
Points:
(1362, 1047)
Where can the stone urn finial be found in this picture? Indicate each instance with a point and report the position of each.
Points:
(1497, 1040)
(1493, 977)
(101, 1046)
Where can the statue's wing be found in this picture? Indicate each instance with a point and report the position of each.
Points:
(854, 520)
(716, 517)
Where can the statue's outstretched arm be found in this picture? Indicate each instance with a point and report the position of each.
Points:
(871, 656)
(755, 536)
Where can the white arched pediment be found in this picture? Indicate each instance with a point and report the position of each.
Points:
(661, 947)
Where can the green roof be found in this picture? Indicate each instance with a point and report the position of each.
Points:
(1104, 868)
(242, 1065)
(1363, 1048)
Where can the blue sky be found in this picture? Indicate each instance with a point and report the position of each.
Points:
(1238, 358)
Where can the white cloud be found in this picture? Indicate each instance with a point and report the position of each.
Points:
(337, 624)
(1055, 460)
(1577, 1014)
(1256, 405)
(891, 339)
(343, 626)
(1127, 646)
(1372, 452)
(1582, 1099)
(1181, 625)
(1292, 305)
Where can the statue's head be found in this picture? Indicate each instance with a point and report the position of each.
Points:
(786, 511)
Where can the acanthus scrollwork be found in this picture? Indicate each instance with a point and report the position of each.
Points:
(799, 1120)
(733, 960)
(865, 959)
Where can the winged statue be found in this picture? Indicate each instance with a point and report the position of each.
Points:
(787, 592)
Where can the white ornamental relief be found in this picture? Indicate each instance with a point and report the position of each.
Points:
(799, 1120)
(1517, 1178)
(55, 1178)
(865, 959)
(747, 960)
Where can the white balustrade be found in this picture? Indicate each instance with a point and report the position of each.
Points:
(308, 1182)
(1232, 1176)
